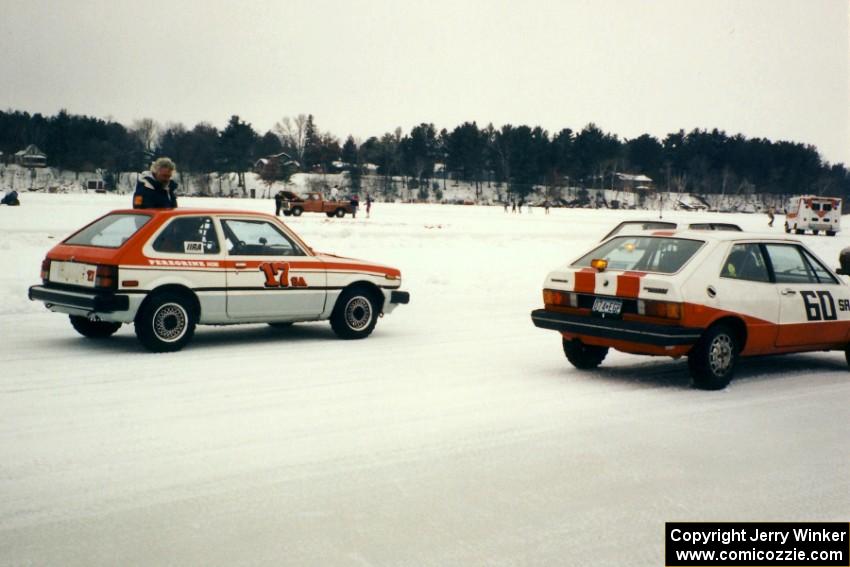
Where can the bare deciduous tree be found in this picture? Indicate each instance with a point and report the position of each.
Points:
(293, 134)
(147, 131)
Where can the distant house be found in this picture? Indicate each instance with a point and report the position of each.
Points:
(31, 157)
(632, 183)
(276, 162)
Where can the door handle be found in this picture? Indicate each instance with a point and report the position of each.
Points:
(788, 291)
(241, 264)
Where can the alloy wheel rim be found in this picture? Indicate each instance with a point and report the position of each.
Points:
(169, 322)
(720, 354)
(358, 313)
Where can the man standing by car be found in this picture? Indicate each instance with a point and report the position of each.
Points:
(155, 189)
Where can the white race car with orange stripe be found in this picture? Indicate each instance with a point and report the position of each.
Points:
(166, 270)
(713, 296)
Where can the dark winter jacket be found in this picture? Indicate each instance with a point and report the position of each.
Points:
(151, 194)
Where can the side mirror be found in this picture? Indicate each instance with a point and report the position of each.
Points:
(844, 260)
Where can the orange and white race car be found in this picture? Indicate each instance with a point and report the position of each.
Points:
(710, 296)
(170, 269)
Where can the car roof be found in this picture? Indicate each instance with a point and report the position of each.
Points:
(722, 235)
(189, 211)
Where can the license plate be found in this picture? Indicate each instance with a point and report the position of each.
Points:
(73, 273)
(607, 307)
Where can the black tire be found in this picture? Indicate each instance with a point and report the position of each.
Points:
(94, 329)
(166, 322)
(830, 233)
(281, 325)
(330, 214)
(296, 211)
(287, 213)
(340, 213)
(355, 314)
(712, 360)
(582, 356)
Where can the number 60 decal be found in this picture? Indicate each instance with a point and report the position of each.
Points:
(819, 306)
(271, 271)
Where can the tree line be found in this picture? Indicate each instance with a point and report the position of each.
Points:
(519, 157)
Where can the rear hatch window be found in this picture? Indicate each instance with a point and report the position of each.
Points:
(643, 253)
(110, 231)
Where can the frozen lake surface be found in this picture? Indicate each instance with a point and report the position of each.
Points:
(457, 434)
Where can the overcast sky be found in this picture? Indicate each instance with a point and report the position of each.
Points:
(766, 68)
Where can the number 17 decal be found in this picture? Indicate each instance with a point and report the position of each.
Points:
(271, 271)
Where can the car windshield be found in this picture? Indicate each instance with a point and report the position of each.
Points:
(643, 253)
(110, 231)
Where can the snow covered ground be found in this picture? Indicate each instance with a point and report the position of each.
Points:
(457, 434)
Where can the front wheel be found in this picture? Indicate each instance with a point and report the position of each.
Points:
(296, 212)
(287, 213)
(355, 314)
(584, 356)
(712, 360)
(93, 329)
(340, 213)
(166, 323)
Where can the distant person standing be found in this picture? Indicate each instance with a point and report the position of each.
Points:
(278, 203)
(335, 193)
(546, 205)
(506, 206)
(513, 206)
(355, 202)
(771, 213)
(155, 189)
(368, 205)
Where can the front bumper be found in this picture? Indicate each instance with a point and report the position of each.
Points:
(402, 297)
(90, 302)
(616, 329)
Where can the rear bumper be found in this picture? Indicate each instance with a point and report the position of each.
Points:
(95, 302)
(616, 329)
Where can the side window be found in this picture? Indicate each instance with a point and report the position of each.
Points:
(789, 266)
(745, 262)
(257, 238)
(818, 268)
(188, 235)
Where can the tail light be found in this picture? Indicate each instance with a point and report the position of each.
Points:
(45, 270)
(663, 309)
(106, 277)
(562, 298)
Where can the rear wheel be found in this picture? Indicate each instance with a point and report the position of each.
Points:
(712, 360)
(330, 214)
(355, 314)
(287, 213)
(583, 356)
(93, 329)
(166, 323)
